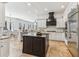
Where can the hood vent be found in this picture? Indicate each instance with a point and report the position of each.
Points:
(51, 21)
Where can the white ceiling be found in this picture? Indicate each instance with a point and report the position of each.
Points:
(34, 11)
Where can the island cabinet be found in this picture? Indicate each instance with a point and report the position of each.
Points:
(27, 45)
(35, 45)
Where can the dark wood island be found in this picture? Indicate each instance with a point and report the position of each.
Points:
(35, 45)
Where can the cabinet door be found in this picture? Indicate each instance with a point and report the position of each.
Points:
(4, 47)
(41, 23)
(27, 44)
(38, 46)
(52, 36)
(4, 50)
(60, 23)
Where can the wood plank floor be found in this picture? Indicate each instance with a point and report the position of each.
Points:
(56, 49)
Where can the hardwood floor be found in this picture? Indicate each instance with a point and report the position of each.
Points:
(56, 49)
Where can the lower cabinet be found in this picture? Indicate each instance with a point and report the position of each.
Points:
(57, 36)
(27, 45)
(34, 45)
(4, 48)
(38, 46)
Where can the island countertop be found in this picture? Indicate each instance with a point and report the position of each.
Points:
(34, 34)
(4, 37)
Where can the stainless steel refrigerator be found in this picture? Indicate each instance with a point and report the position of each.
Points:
(73, 31)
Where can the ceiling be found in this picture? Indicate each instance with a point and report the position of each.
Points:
(33, 10)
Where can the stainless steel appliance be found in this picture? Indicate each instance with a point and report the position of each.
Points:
(73, 31)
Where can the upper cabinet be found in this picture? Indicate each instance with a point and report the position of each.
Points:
(60, 23)
(2, 14)
(41, 23)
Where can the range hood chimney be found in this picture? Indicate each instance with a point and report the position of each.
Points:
(51, 21)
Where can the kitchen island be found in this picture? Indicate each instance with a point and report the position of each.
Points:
(35, 45)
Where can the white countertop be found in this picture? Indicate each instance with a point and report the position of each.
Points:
(33, 34)
(3, 37)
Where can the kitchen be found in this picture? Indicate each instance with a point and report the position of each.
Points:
(20, 21)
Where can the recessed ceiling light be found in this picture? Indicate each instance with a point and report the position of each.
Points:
(28, 4)
(46, 9)
(62, 6)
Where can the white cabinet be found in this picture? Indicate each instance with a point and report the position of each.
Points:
(60, 23)
(61, 36)
(57, 36)
(41, 23)
(52, 36)
(4, 47)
